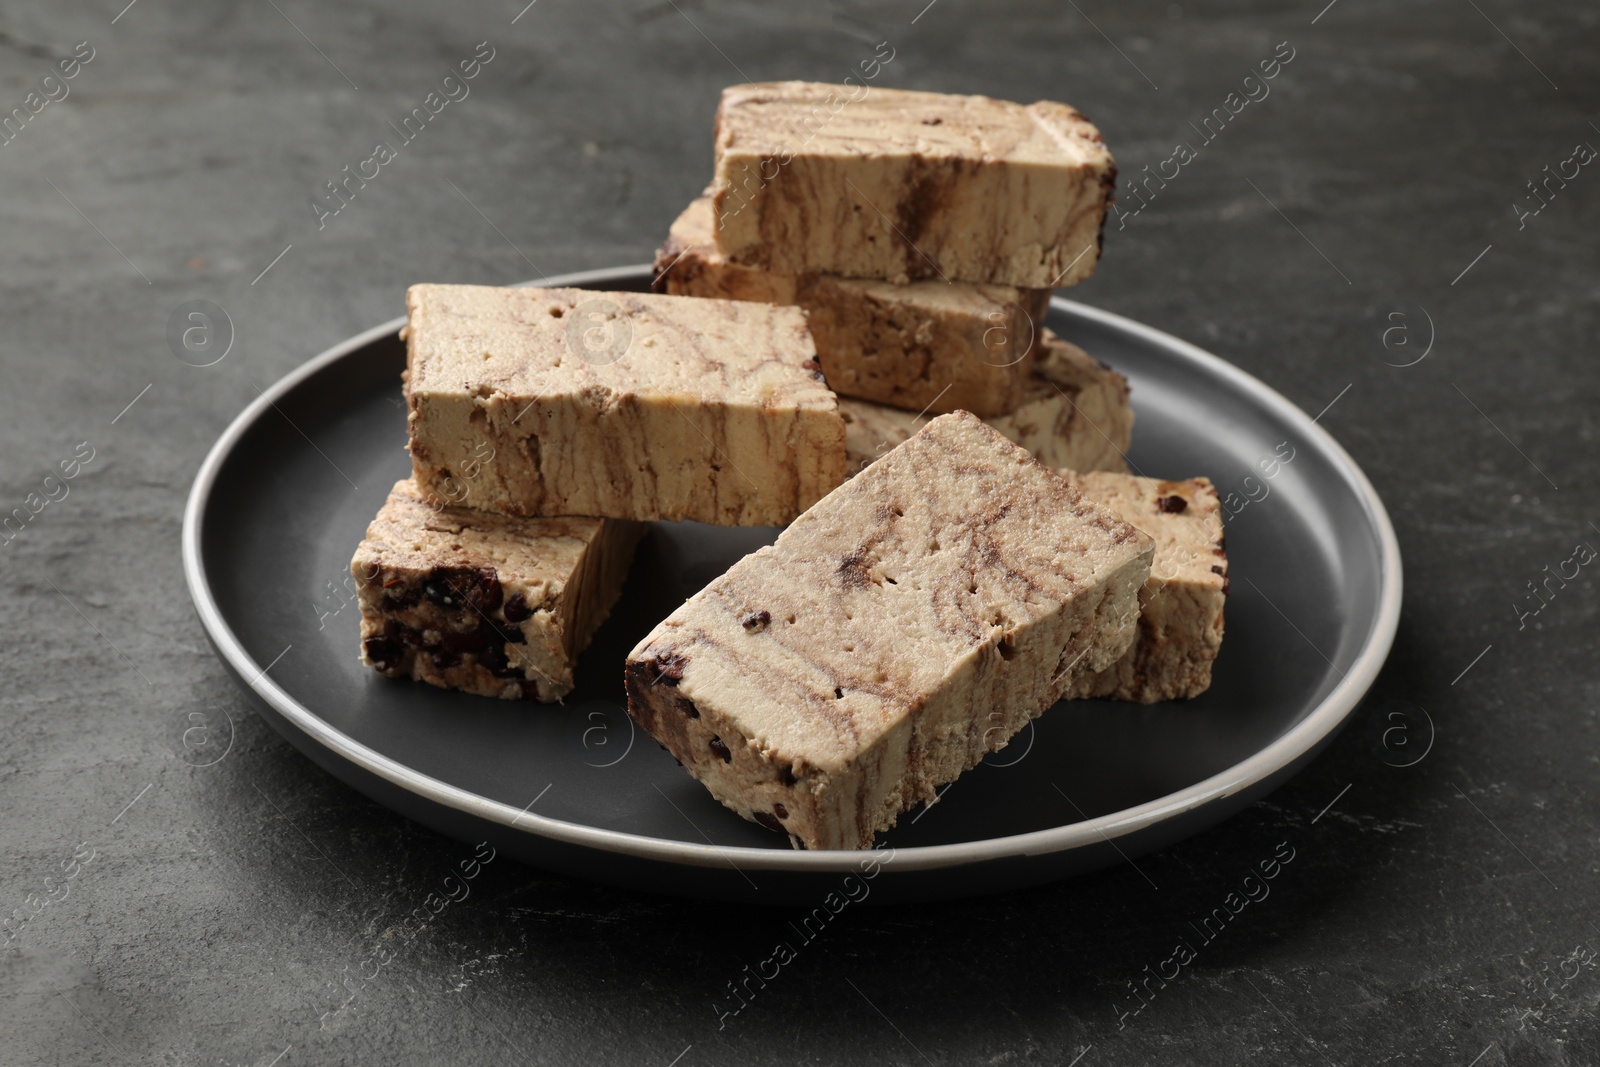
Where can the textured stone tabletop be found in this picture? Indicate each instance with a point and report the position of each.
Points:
(1360, 232)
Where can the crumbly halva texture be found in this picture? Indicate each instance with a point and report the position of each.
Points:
(904, 185)
(621, 405)
(1074, 414)
(488, 604)
(926, 346)
(1181, 605)
(904, 627)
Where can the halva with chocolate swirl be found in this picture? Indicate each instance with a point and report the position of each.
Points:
(927, 346)
(904, 185)
(1074, 414)
(484, 603)
(1180, 607)
(904, 627)
(620, 405)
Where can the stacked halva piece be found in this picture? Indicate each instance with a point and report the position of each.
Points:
(846, 338)
(922, 233)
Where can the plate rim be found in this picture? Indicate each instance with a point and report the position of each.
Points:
(1283, 752)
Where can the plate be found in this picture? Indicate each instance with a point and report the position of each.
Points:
(286, 493)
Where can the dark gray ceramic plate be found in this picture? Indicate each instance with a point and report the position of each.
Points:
(285, 495)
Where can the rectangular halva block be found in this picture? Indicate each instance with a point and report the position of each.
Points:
(904, 185)
(904, 627)
(622, 405)
(486, 603)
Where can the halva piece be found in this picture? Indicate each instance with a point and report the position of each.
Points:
(489, 604)
(904, 627)
(1180, 617)
(900, 185)
(621, 405)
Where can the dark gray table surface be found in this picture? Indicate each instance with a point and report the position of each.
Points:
(1437, 913)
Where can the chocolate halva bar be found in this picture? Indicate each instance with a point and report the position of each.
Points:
(618, 405)
(901, 629)
(485, 603)
(904, 185)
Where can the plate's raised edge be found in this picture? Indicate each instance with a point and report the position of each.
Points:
(1300, 739)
